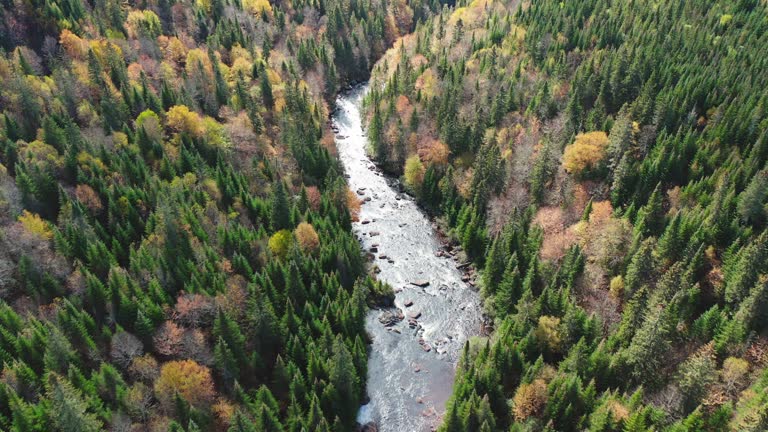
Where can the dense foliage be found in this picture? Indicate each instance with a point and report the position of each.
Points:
(604, 162)
(175, 242)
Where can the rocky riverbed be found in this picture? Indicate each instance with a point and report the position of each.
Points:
(416, 343)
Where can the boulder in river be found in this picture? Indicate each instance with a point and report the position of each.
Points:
(408, 303)
(420, 283)
(368, 427)
(390, 317)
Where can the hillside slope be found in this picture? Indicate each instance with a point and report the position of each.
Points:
(605, 162)
(175, 244)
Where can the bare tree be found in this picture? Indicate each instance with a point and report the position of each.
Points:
(125, 347)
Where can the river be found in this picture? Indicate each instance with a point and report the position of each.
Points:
(411, 363)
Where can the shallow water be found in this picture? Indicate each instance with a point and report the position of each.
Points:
(408, 385)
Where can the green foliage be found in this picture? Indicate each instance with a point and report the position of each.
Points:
(642, 120)
(157, 214)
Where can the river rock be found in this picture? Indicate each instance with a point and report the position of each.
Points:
(429, 412)
(365, 222)
(368, 427)
(373, 249)
(420, 283)
(373, 233)
(390, 318)
(415, 315)
(408, 303)
(382, 256)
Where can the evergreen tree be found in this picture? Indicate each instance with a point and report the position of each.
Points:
(280, 214)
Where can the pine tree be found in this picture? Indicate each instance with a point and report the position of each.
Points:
(280, 218)
(494, 267)
(650, 219)
(71, 411)
(266, 91)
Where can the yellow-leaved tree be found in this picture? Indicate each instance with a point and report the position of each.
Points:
(586, 154)
(189, 379)
(414, 173)
(280, 242)
(258, 7)
(182, 120)
(33, 223)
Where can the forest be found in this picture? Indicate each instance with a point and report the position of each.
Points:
(604, 164)
(175, 243)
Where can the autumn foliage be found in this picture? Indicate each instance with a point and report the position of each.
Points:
(529, 399)
(307, 237)
(189, 379)
(586, 153)
(181, 119)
